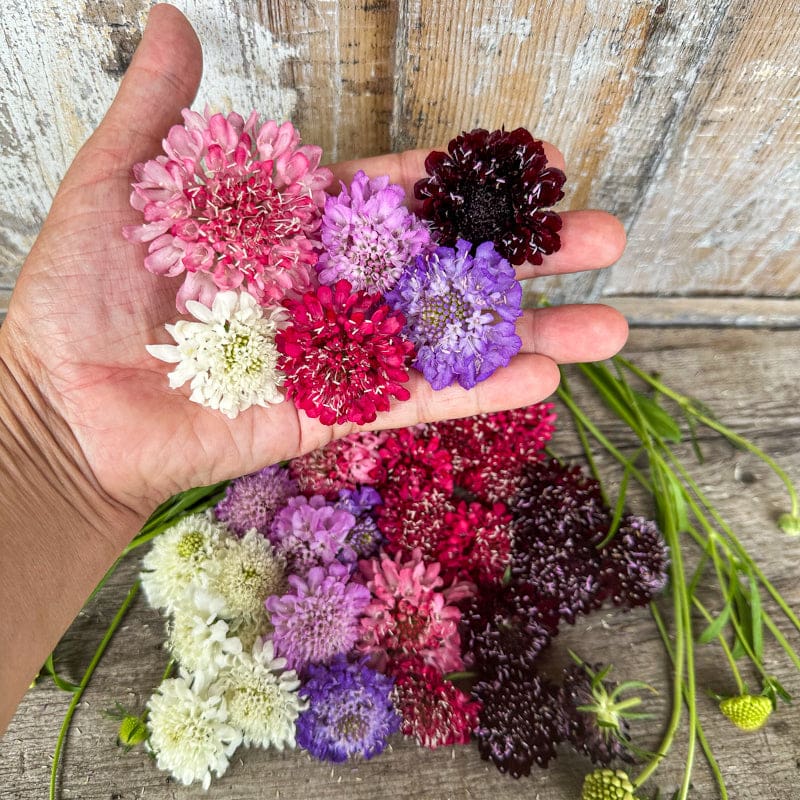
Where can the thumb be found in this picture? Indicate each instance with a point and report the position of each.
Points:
(162, 79)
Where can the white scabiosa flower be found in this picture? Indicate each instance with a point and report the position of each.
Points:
(228, 354)
(244, 572)
(262, 697)
(200, 639)
(190, 735)
(178, 557)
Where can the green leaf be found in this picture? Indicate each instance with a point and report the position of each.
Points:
(661, 422)
(618, 509)
(715, 628)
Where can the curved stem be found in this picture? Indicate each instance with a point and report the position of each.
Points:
(62, 735)
(724, 645)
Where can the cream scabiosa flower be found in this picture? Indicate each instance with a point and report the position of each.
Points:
(189, 731)
(228, 354)
(262, 699)
(178, 558)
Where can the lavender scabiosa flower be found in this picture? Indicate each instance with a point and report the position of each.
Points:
(350, 712)
(252, 500)
(364, 537)
(311, 532)
(460, 312)
(521, 721)
(318, 618)
(635, 563)
(369, 235)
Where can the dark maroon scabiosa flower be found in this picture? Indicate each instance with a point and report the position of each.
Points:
(492, 187)
(635, 563)
(521, 722)
(434, 710)
(343, 354)
(596, 728)
(560, 518)
(507, 627)
(490, 451)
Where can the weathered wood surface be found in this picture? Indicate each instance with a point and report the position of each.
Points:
(748, 377)
(681, 117)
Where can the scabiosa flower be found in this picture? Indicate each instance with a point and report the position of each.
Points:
(364, 537)
(635, 563)
(414, 465)
(460, 311)
(318, 618)
(349, 711)
(520, 722)
(229, 354)
(252, 501)
(434, 711)
(369, 235)
(560, 518)
(342, 464)
(178, 557)
(410, 614)
(490, 451)
(311, 532)
(234, 204)
(343, 354)
(262, 697)
(492, 187)
(189, 731)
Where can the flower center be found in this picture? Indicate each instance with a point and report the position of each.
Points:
(242, 355)
(190, 544)
(352, 726)
(440, 313)
(487, 210)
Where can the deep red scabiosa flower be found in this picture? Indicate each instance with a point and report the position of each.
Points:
(413, 465)
(493, 187)
(560, 518)
(343, 354)
(490, 451)
(521, 721)
(233, 203)
(342, 464)
(434, 710)
(410, 614)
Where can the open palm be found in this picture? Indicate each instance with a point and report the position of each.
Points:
(84, 308)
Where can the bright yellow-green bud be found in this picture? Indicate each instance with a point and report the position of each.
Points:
(132, 731)
(748, 712)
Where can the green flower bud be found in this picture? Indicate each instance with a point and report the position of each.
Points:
(789, 524)
(132, 731)
(607, 784)
(748, 712)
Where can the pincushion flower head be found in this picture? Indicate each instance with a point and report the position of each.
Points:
(492, 187)
(349, 711)
(343, 354)
(460, 311)
(228, 354)
(233, 203)
(369, 235)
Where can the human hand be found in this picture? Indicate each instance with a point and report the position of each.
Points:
(84, 308)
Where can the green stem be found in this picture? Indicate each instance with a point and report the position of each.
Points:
(724, 645)
(781, 639)
(76, 697)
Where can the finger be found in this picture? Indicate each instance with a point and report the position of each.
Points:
(528, 379)
(408, 167)
(162, 79)
(573, 333)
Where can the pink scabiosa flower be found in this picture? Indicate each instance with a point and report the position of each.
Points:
(492, 187)
(343, 354)
(369, 235)
(318, 617)
(410, 614)
(233, 203)
(434, 711)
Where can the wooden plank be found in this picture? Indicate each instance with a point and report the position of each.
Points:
(748, 378)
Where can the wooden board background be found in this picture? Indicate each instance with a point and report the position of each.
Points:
(680, 116)
(748, 377)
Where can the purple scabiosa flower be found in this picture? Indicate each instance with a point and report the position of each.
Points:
(350, 712)
(319, 617)
(311, 532)
(521, 721)
(560, 518)
(252, 500)
(364, 537)
(460, 312)
(635, 563)
(369, 235)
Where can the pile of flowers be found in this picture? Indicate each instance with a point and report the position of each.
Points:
(403, 583)
(329, 300)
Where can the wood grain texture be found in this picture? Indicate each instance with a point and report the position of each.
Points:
(679, 116)
(747, 377)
